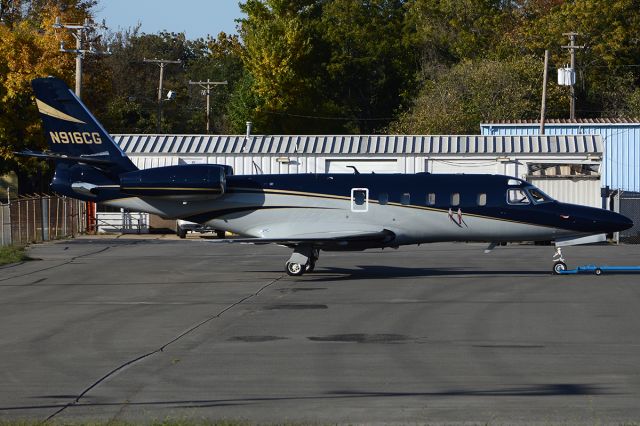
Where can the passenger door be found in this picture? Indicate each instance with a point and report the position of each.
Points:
(359, 200)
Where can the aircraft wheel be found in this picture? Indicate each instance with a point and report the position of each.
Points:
(310, 266)
(598, 271)
(295, 269)
(559, 267)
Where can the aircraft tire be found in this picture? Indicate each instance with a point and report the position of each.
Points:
(295, 269)
(558, 267)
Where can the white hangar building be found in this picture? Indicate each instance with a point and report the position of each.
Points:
(567, 167)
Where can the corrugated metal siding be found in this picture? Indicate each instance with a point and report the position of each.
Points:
(585, 192)
(621, 160)
(357, 144)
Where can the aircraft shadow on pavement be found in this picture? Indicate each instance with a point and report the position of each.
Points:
(377, 271)
(545, 390)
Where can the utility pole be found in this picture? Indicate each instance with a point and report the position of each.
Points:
(544, 90)
(206, 88)
(79, 32)
(161, 63)
(572, 49)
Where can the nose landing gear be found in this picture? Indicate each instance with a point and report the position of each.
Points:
(559, 264)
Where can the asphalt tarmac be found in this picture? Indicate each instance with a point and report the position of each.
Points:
(148, 329)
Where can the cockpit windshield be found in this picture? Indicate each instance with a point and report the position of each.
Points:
(538, 196)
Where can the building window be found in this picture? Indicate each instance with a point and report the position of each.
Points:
(431, 199)
(405, 198)
(455, 199)
(383, 198)
(482, 199)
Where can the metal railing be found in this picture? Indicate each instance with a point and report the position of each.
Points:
(41, 218)
(124, 221)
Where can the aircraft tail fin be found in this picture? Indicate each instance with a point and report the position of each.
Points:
(72, 132)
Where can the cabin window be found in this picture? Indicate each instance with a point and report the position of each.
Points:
(482, 199)
(405, 199)
(455, 199)
(538, 196)
(359, 199)
(518, 197)
(383, 198)
(431, 199)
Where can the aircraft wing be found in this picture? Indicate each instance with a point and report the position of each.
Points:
(341, 238)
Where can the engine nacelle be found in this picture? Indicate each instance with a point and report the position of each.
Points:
(192, 181)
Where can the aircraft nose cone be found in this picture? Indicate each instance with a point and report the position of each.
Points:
(626, 223)
(615, 222)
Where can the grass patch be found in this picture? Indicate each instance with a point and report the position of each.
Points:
(12, 254)
(202, 422)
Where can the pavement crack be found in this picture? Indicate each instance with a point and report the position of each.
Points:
(191, 329)
(56, 266)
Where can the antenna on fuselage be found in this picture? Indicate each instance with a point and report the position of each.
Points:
(355, 171)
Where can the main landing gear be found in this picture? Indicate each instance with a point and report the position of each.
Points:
(302, 260)
(559, 264)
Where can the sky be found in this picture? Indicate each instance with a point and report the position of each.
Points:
(196, 18)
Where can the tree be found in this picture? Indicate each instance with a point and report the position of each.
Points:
(369, 68)
(279, 54)
(322, 67)
(29, 49)
(471, 92)
(607, 66)
(449, 31)
(217, 59)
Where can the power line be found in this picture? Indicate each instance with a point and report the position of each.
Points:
(572, 48)
(318, 117)
(161, 63)
(79, 32)
(207, 86)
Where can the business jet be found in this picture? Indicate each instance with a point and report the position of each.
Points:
(307, 212)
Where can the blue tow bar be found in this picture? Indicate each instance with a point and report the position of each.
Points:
(599, 269)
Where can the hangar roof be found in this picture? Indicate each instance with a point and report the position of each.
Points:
(556, 121)
(358, 144)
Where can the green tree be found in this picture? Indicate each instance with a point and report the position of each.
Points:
(280, 54)
(324, 66)
(448, 31)
(471, 92)
(607, 71)
(217, 59)
(368, 69)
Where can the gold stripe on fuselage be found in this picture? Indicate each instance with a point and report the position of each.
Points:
(411, 206)
(145, 188)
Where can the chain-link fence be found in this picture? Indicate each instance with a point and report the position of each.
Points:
(41, 218)
(630, 207)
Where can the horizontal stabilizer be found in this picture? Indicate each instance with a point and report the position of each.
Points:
(92, 159)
